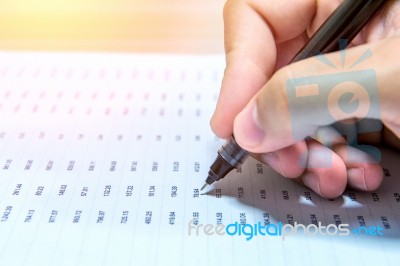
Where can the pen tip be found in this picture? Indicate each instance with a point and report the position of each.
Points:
(204, 186)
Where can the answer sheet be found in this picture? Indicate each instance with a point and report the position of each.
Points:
(102, 157)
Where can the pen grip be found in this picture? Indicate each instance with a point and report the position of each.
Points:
(233, 153)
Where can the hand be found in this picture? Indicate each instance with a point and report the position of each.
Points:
(261, 37)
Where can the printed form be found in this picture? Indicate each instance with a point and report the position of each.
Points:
(101, 161)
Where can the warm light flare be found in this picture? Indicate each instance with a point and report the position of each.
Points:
(144, 25)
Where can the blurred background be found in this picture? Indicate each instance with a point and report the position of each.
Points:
(166, 26)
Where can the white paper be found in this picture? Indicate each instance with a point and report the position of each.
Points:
(102, 156)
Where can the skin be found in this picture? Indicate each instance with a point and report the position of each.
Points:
(261, 37)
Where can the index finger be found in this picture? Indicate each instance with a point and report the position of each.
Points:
(254, 33)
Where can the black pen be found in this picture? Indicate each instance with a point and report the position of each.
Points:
(344, 24)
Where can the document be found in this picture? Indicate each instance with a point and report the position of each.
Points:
(102, 157)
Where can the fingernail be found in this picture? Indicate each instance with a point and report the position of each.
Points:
(356, 177)
(311, 180)
(247, 130)
(273, 161)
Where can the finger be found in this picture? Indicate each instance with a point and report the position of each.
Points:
(363, 171)
(252, 29)
(284, 111)
(289, 162)
(324, 10)
(326, 172)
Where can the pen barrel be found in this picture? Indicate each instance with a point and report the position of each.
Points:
(343, 24)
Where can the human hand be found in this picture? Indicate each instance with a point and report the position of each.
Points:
(261, 37)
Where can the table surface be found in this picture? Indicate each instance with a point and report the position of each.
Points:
(173, 26)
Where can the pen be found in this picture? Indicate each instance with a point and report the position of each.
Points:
(344, 23)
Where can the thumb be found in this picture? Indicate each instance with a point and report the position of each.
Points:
(319, 91)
